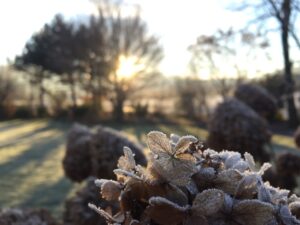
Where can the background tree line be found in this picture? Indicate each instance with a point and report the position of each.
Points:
(86, 56)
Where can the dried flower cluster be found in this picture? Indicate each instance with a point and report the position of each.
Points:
(258, 98)
(285, 172)
(106, 148)
(26, 217)
(78, 153)
(96, 153)
(237, 127)
(184, 184)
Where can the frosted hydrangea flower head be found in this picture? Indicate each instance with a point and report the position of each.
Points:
(200, 187)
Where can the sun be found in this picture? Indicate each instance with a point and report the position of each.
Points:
(128, 67)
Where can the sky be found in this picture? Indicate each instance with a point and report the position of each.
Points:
(177, 23)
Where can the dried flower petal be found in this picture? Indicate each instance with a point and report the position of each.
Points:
(295, 209)
(125, 173)
(158, 142)
(196, 220)
(232, 159)
(110, 189)
(165, 212)
(247, 187)
(264, 168)
(253, 212)
(127, 161)
(175, 170)
(250, 160)
(109, 218)
(174, 138)
(184, 142)
(208, 202)
(286, 216)
(263, 193)
(227, 180)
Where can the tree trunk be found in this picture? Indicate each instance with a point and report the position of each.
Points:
(289, 83)
(119, 104)
(31, 99)
(41, 110)
(73, 91)
(41, 95)
(118, 112)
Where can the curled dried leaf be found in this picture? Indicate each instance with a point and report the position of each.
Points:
(127, 161)
(250, 160)
(108, 217)
(110, 190)
(125, 173)
(184, 143)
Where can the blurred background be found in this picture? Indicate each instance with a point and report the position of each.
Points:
(227, 72)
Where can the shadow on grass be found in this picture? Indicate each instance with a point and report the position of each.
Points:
(51, 196)
(24, 137)
(7, 125)
(37, 153)
(34, 178)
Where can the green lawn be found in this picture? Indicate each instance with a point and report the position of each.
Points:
(31, 152)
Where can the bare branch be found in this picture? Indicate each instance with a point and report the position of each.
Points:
(295, 37)
(276, 10)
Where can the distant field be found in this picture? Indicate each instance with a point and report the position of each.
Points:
(31, 152)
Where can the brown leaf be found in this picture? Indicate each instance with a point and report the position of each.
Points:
(129, 220)
(158, 142)
(165, 212)
(208, 202)
(139, 192)
(195, 220)
(253, 212)
(204, 178)
(228, 181)
(110, 190)
(174, 170)
(184, 142)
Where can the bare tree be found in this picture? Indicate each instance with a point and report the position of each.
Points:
(126, 40)
(192, 97)
(284, 12)
(209, 52)
(59, 48)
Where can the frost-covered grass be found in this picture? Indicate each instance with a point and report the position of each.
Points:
(31, 151)
(30, 164)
